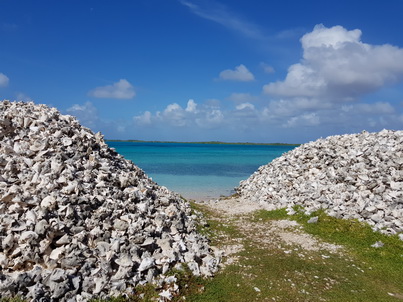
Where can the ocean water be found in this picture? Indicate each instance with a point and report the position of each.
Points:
(198, 171)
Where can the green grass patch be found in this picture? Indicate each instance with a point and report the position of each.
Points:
(214, 227)
(270, 215)
(15, 299)
(382, 267)
(358, 273)
(272, 275)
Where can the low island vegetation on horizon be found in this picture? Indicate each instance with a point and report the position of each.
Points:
(202, 142)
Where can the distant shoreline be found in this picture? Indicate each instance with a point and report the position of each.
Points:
(205, 143)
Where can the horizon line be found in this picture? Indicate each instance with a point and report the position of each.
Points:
(201, 142)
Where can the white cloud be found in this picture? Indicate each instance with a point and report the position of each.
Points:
(285, 120)
(337, 66)
(279, 116)
(205, 116)
(175, 115)
(211, 119)
(144, 119)
(328, 119)
(240, 73)
(326, 90)
(376, 108)
(119, 90)
(306, 119)
(301, 81)
(323, 94)
(172, 108)
(191, 106)
(4, 80)
(285, 108)
(335, 37)
(244, 106)
(351, 117)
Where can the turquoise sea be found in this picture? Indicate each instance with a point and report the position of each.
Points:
(198, 171)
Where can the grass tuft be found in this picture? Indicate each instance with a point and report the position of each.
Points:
(15, 299)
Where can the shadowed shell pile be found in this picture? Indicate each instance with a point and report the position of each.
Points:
(350, 176)
(77, 220)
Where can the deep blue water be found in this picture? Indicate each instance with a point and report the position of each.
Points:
(198, 171)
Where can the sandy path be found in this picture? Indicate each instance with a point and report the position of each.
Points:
(284, 234)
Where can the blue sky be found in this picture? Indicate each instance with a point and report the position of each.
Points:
(187, 70)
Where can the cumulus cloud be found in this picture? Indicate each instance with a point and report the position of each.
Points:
(244, 106)
(144, 119)
(174, 115)
(211, 119)
(331, 120)
(306, 119)
(4, 80)
(240, 73)
(191, 106)
(278, 121)
(119, 90)
(323, 94)
(375, 108)
(277, 117)
(294, 106)
(337, 66)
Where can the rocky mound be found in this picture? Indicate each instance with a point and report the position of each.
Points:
(77, 220)
(351, 176)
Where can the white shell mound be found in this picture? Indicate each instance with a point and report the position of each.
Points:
(77, 220)
(350, 176)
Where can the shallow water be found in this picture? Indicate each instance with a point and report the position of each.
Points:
(198, 171)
